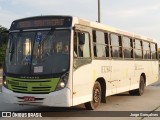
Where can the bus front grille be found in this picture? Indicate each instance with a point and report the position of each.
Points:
(40, 86)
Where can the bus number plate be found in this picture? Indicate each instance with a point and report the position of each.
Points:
(29, 98)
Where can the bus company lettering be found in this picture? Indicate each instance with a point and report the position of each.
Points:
(106, 69)
(139, 67)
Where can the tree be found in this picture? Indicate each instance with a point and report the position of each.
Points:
(2, 28)
(3, 35)
(3, 43)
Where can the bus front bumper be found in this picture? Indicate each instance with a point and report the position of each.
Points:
(61, 98)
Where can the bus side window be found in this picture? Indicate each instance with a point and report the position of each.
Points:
(127, 47)
(153, 51)
(116, 46)
(100, 44)
(81, 45)
(146, 50)
(138, 49)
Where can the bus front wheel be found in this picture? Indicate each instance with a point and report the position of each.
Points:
(96, 99)
(140, 90)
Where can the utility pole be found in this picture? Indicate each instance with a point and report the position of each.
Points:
(99, 12)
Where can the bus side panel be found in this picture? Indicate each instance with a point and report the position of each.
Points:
(148, 68)
(84, 78)
(102, 69)
(138, 70)
(155, 72)
(82, 84)
(148, 71)
(147, 65)
(122, 73)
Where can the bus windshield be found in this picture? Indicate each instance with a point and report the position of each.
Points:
(38, 52)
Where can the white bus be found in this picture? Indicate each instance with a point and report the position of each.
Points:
(65, 61)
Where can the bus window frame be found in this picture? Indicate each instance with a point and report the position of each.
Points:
(145, 50)
(132, 47)
(77, 30)
(156, 50)
(120, 47)
(141, 41)
(106, 45)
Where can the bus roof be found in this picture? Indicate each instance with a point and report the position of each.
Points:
(111, 29)
(96, 25)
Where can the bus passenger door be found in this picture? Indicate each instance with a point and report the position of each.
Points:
(82, 76)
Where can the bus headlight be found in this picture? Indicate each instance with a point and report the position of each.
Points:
(4, 82)
(63, 81)
(62, 84)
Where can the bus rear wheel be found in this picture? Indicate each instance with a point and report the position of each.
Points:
(96, 100)
(140, 90)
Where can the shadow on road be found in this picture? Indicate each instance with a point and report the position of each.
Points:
(54, 109)
(123, 94)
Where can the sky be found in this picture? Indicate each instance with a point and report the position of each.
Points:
(137, 16)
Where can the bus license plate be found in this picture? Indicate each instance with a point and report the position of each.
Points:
(29, 98)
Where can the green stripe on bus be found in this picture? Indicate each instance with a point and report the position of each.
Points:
(32, 85)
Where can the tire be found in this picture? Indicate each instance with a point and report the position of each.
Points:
(96, 100)
(140, 90)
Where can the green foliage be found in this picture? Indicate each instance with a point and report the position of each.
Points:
(3, 43)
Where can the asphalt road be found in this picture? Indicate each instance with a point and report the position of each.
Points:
(149, 102)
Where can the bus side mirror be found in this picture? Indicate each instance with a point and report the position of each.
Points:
(81, 37)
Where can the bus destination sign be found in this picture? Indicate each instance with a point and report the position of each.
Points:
(42, 22)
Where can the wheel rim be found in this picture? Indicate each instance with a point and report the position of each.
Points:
(96, 96)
